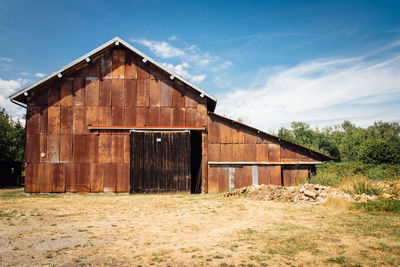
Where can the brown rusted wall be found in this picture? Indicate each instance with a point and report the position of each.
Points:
(236, 144)
(115, 89)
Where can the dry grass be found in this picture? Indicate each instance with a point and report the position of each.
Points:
(186, 230)
(338, 203)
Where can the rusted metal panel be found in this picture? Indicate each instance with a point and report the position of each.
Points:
(154, 116)
(105, 88)
(92, 115)
(79, 120)
(96, 175)
(92, 148)
(191, 99)
(122, 178)
(264, 174)
(238, 177)
(213, 131)
(127, 149)
(44, 177)
(250, 152)
(214, 152)
(118, 93)
(42, 148)
(43, 120)
(104, 148)
(213, 179)
(79, 91)
(274, 152)
(262, 152)
(110, 177)
(32, 120)
(53, 148)
(250, 138)
(71, 179)
(178, 98)
(178, 117)
(66, 92)
(225, 132)
(106, 65)
(130, 66)
(83, 174)
(118, 116)
(155, 97)
(275, 174)
(58, 178)
(118, 64)
(166, 94)
(53, 97)
(143, 71)
(104, 116)
(66, 119)
(92, 91)
(223, 183)
(247, 176)
(201, 119)
(53, 121)
(142, 116)
(80, 148)
(238, 152)
(166, 116)
(117, 148)
(130, 92)
(29, 176)
(226, 152)
(190, 117)
(130, 116)
(237, 136)
(40, 98)
(66, 148)
(143, 93)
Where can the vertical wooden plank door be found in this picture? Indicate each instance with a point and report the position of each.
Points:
(160, 162)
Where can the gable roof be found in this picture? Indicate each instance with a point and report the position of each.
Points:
(278, 139)
(114, 42)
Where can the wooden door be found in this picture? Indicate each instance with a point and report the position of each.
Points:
(160, 161)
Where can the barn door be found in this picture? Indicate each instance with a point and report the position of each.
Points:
(160, 161)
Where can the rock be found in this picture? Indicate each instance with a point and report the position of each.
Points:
(386, 195)
(310, 194)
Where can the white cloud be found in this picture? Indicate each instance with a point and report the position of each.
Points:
(321, 92)
(181, 69)
(6, 59)
(8, 87)
(24, 73)
(173, 38)
(40, 75)
(190, 53)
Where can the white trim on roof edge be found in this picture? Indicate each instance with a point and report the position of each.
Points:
(103, 46)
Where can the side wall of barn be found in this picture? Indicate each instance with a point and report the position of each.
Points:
(240, 156)
(115, 89)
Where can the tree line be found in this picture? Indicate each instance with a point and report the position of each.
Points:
(376, 144)
(12, 138)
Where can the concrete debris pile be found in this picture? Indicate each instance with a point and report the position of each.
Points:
(307, 193)
(388, 189)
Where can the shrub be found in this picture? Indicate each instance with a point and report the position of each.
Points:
(378, 151)
(382, 204)
(363, 187)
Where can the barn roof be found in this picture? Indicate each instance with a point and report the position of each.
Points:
(19, 96)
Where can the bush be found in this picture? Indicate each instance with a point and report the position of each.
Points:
(378, 151)
(363, 187)
(382, 204)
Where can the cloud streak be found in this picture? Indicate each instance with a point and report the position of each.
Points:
(321, 92)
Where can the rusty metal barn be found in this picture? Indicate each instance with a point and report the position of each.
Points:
(115, 120)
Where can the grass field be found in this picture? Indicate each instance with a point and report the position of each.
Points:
(186, 230)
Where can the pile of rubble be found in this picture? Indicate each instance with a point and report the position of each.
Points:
(307, 193)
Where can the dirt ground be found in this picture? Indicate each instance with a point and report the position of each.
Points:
(188, 230)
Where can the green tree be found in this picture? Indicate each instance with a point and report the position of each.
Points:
(12, 138)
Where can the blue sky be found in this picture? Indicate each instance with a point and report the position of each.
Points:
(268, 62)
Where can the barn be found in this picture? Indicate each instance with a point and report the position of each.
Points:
(115, 120)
